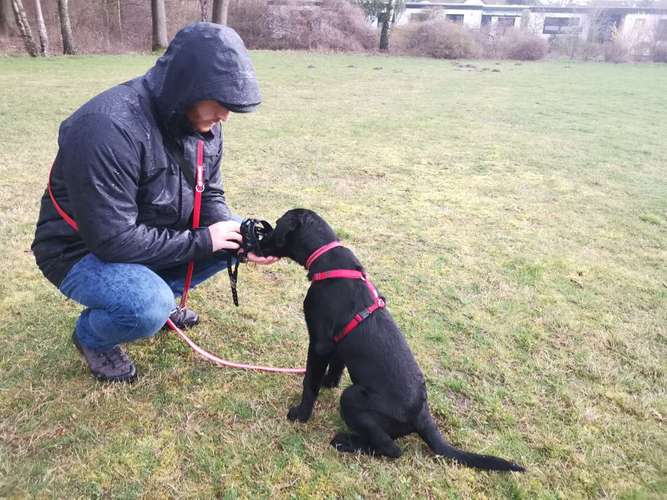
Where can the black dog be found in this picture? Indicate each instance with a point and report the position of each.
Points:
(388, 396)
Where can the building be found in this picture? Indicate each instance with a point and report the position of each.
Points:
(598, 24)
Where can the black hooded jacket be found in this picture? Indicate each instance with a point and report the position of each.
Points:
(126, 159)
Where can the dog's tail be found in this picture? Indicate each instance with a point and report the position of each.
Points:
(430, 433)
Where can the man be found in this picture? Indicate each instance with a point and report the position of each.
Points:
(115, 231)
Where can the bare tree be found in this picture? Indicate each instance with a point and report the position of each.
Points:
(66, 28)
(24, 28)
(385, 12)
(41, 29)
(220, 9)
(386, 18)
(203, 8)
(118, 17)
(6, 18)
(120, 22)
(159, 15)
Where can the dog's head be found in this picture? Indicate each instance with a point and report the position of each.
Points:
(297, 234)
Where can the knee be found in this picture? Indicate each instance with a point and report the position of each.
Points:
(145, 310)
(152, 312)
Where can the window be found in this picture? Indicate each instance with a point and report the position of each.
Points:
(455, 18)
(420, 16)
(503, 23)
(560, 25)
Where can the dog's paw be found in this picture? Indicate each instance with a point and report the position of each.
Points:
(344, 442)
(296, 413)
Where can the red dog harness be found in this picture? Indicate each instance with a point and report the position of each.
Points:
(378, 302)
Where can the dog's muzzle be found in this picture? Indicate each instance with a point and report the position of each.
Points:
(253, 231)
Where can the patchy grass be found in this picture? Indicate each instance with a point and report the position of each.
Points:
(515, 219)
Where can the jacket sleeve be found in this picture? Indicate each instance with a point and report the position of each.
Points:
(214, 205)
(101, 163)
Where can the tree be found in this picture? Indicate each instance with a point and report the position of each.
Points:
(203, 8)
(41, 29)
(159, 15)
(385, 13)
(24, 28)
(220, 8)
(6, 18)
(372, 8)
(385, 19)
(66, 28)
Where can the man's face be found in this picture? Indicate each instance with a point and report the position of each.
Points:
(204, 114)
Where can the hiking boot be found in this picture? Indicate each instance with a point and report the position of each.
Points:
(112, 365)
(184, 318)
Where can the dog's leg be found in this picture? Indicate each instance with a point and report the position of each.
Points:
(315, 368)
(334, 372)
(368, 434)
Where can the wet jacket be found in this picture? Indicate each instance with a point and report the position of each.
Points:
(126, 160)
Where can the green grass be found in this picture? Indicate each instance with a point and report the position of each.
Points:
(515, 220)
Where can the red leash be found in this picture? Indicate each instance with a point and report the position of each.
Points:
(199, 189)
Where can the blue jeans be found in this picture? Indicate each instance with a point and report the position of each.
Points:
(126, 302)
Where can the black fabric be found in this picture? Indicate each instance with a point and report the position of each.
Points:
(126, 158)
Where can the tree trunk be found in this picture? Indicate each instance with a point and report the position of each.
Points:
(220, 9)
(6, 18)
(386, 21)
(41, 29)
(66, 28)
(159, 15)
(203, 7)
(24, 28)
(120, 22)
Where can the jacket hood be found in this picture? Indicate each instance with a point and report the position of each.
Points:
(204, 61)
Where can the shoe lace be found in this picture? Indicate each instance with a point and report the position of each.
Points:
(115, 357)
(178, 315)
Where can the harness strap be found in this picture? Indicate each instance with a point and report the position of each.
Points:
(323, 249)
(339, 273)
(378, 302)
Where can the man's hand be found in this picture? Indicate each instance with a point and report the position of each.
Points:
(225, 235)
(262, 261)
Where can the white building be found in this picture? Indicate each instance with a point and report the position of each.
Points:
(636, 24)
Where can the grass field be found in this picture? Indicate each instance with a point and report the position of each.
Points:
(516, 220)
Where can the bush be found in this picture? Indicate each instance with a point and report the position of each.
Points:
(440, 39)
(336, 25)
(616, 51)
(659, 52)
(522, 45)
(590, 51)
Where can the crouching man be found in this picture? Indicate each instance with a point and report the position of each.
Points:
(115, 225)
